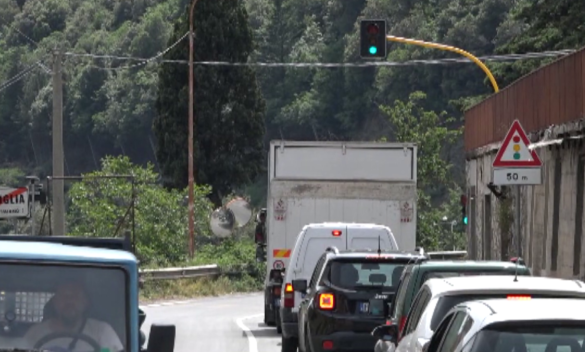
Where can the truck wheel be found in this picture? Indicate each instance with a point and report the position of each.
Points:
(266, 317)
(290, 344)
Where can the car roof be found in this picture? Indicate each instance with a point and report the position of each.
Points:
(372, 254)
(532, 309)
(503, 283)
(467, 264)
(19, 250)
(350, 225)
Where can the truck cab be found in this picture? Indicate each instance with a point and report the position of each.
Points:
(90, 283)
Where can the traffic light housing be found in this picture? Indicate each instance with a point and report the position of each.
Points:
(373, 39)
(464, 219)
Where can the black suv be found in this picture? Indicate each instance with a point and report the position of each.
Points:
(348, 295)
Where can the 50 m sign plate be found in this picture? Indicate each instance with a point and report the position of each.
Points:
(14, 203)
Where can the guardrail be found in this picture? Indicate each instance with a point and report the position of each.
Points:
(212, 270)
(180, 273)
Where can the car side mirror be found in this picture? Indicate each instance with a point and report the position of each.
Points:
(386, 333)
(162, 338)
(299, 285)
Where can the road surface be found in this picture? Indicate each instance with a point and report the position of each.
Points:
(216, 324)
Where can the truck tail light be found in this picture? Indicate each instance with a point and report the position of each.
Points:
(336, 233)
(326, 301)
(289, 296)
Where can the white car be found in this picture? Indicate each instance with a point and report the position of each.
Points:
(502, 325)
(437, 296)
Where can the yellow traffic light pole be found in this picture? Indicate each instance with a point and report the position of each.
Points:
(448, 48)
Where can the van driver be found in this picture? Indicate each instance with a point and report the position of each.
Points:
(70, 303)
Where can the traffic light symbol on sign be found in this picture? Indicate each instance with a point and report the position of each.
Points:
(516, 147)
(373, 39)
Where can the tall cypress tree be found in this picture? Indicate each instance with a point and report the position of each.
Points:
(228, 106)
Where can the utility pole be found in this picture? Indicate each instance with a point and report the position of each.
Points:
(58, 157)
(190, 141)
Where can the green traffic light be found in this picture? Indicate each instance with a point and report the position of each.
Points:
(373, 50)
(465, 220)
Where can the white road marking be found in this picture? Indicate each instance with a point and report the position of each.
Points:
(252, 343)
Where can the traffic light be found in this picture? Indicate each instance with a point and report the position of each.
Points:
(464, 219)
(373, 39)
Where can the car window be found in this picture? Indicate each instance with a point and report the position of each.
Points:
(451, 337)
(361, 273)
(49, 292)
(445, 303)
(556, 335)
(398, 305)
(317, 272)
(418, 307)
(440, 332)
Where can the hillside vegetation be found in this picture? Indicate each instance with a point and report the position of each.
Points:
(111, 104)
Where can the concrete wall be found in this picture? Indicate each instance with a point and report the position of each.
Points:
(491, 230)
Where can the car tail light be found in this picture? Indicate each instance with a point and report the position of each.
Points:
(401, 326)
(327, 345)
(289, 296)
(519, 297)
(276, 290)
(336, 233)
(326, 301)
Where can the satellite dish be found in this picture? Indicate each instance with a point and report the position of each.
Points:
(222, 222)
(235, 214)
(241, 210)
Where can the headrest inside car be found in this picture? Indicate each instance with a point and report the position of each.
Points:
(377, 278)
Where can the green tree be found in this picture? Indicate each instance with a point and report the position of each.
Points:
(229, 109)
(98, 206)
(430, 132)
(539, 26)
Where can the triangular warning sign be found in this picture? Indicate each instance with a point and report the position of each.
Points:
(514, 151)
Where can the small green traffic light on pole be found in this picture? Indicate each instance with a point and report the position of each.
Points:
(373, 39)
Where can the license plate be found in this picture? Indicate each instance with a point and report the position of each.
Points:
(364, 307)
(377, 307)
(277, 302)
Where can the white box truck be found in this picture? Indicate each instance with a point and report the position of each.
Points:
(314, 182)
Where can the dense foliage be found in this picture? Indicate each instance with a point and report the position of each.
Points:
(111, 103)
(229, 109)
(102, 207)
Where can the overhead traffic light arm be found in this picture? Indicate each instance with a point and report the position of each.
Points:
(373, 40)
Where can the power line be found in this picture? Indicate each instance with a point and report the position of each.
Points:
(22, 34)
(142, 62)
(19, 76)
(158, 59)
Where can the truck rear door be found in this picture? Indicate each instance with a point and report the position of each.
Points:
(364, 237)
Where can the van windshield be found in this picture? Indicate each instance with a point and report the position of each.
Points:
(90, 299)
(363, 274)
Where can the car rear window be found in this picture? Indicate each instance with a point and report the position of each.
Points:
(537, 336)
(364, 273)
(447, 302)
(446, 274)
